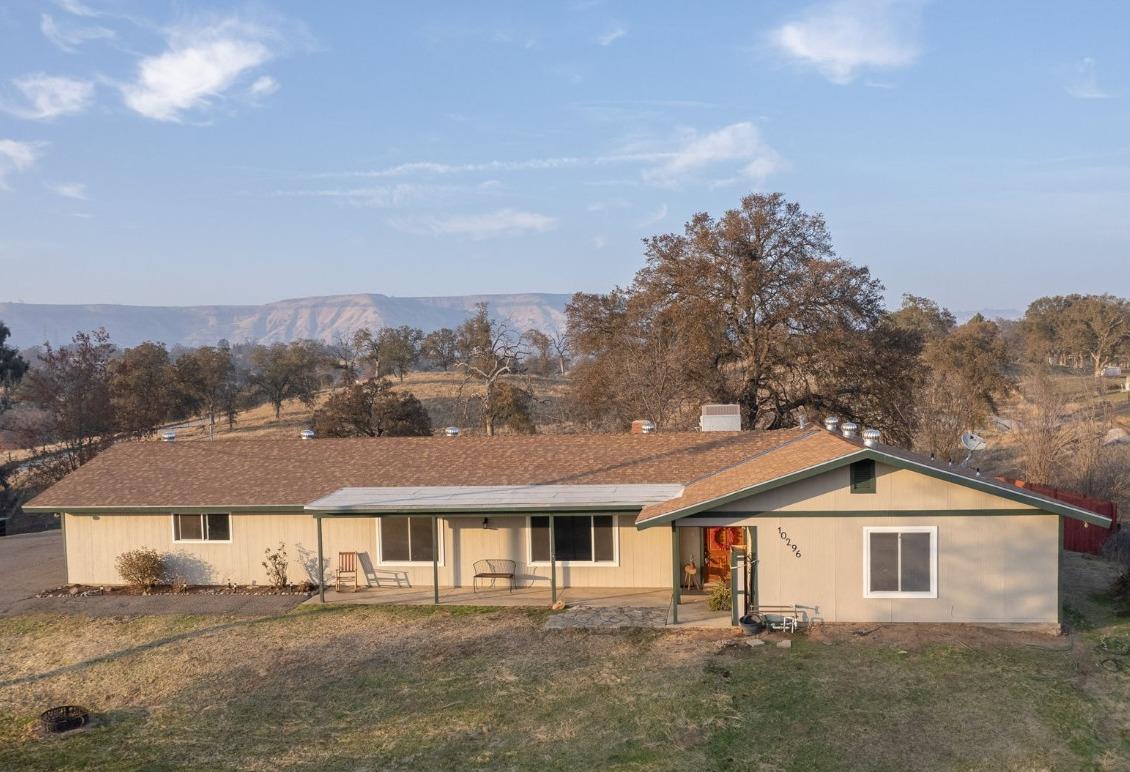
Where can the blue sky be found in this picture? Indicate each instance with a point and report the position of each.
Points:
(187, 153)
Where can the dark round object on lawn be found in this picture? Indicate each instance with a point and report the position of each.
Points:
(751, 624)
(64, 718)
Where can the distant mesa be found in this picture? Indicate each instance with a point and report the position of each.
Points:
(319, 318)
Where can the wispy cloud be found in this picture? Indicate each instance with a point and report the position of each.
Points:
(844, 37)
(263, 86)
(387, 196)
(75, 190)
(693, 154)
(68, 36)
(77, 8)
(16, 156)
(49, 96)
(477, 227)
(606, 205)
(611, 36)
(599, 241)
(652, 218)
(1083, 80)
(199, 66)
(718, 151)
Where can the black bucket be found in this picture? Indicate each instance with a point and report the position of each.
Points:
(751, 624)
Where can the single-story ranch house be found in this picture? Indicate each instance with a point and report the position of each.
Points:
(850, 529)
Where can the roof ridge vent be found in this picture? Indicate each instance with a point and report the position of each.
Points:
(849, 429)
(871, 437)
(832, 423)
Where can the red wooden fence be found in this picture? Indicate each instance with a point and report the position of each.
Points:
(1077, 535)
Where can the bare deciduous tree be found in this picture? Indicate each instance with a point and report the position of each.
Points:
(487, 350)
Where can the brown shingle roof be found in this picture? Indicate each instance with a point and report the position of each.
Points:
(290, 473)
(802, 451)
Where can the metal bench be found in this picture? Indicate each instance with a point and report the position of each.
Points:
(493, 569)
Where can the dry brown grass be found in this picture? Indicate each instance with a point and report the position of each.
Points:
(417, 688)
(443, 394)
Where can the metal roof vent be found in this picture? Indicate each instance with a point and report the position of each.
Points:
(451, 431)
(849, 428)
(831, 423)
(720, 418)
(643, 426)
(306, 434)
(871, 437)
(168, 436)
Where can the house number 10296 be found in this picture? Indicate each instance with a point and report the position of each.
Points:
(788, 542)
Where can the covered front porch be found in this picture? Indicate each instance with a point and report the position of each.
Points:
(546, 545)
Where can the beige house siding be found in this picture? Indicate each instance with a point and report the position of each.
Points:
(94, 541)
(996, 568)
(991, 567)
(895, 489)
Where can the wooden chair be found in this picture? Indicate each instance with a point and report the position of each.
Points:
(691, 579)
(346, 570)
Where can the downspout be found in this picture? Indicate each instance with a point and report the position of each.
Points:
(676, 594)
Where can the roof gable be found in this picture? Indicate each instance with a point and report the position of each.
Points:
(749, 479)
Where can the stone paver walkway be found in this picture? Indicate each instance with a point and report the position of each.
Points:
(607, 617)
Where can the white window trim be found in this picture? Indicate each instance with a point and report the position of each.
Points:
(203, 527)
(408, 563)
(614, 563)
(930, 529)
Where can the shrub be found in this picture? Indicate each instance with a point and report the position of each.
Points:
(141, 567)
(276, 566)
(719, 599)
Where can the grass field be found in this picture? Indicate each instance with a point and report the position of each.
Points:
(457, 688)
(438, 391)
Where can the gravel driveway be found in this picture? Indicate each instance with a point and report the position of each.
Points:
(30, 563)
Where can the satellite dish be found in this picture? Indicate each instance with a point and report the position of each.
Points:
(972, 441)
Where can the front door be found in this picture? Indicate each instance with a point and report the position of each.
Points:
(716, 551)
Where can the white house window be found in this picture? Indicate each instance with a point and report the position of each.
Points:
(577, 539)
(900, 562)
(407, 540)
(209, 527)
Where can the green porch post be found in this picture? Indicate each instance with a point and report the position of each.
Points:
(552, 562)
(676, 589)
(435, 558)
(736, 564)
(321, 563)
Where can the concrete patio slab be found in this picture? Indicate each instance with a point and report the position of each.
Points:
(590, 606)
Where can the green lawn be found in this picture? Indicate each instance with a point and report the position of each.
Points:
(413, 688)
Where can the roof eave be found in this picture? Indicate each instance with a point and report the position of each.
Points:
(985, 486)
